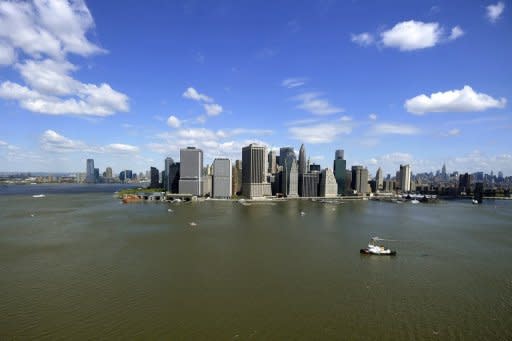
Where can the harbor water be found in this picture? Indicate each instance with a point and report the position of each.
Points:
(79, 264)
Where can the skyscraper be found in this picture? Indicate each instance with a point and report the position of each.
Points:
(405, 178)
(153, 175)
(310, 184)
(166, 180)
(379, 179)
(328, 185)
(254, 180)
(340, 167)
(174, 177)
(302, 160)
(272, 162)
(222, 186)
(360, 179)
(89, 171)
(289, 178)
(191, 167)
(237, 178)
(108, 173)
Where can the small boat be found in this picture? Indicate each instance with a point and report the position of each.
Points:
(192, 224)
(170, 210)
(475, 202)
(414, 201)
(302, 213)
(38, 196)
(375, 249)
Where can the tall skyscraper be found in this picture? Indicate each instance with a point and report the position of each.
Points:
(328, 185)
(286, 155)
(89, 171)
(405, 178)
(290, 180)
(310, 184)
(174, 177)
(360, 179)
(272, 162)
(236, 178)
(96, 175)
(154, 175)
(191, 168)
(254, 179)
(340, 170)
(108, 173)
(222, 187)
(379, 179)
(302, 160)
(166, 180)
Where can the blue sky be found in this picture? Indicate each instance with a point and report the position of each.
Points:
(403, 82)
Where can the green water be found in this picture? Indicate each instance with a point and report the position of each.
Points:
(76, 266)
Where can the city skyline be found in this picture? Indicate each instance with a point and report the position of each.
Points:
(420, 84)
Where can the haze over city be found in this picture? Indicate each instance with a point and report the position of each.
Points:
(424, 84)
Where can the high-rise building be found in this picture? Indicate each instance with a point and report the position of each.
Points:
(237, 178)
(272, 162)
(328, 185)
(191, 168)
(286, 155)
(166, 180)
(222, 187)
(108, 173)
(310, 184)
(174, 177)
(290, 180)
(340, 167)
(339, 154)
(405, 178)
(302, 160)
(254, 179)
(314, 167)
(465, 183)
(379, 180)
(360, 179)
(89, 171)
(154, 175)
(207, 183)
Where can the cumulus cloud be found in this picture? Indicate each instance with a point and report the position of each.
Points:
(463, 100)
(293, 82)
(494, 11)
(173, 122)
(46, 31)
(362, 39)
(212, 109)
(372, 117)
(395, 129)
(319, 133)
(456, 33)
(452, 132)
(413, 35)
(54, 142)
(315, 104)
(194, 95)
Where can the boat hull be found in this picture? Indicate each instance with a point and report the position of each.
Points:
(368, 252)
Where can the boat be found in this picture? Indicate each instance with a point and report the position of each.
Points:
(414, 201)
(302, 213)
(377, 250)
(38, 196)
(475, 202)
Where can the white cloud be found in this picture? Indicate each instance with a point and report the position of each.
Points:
(319, 133)
(53, 28)
(494, 11)
(395, 129)
(46, 31)
(464, 100)
(194, 95)
(412, 35)
(362, 39)
(453, 132)
(3, 143)
(373, 117)
(52, 141)
(456, 33)
(313, 103)
(212, 109)
(346, 118)
(7, 54)
(293, 82)
(173, 122)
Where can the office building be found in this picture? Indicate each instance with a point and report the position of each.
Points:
(272, 162)
(290, 179)
(254, 170)
(166, 180)
(207, 185)
(89, 171)
(310, 184)
(328, 185)
(191, 168)
(302, 160)
(108, 173)
(405, 178)
(173, 177)
(340, 167)
(314, 167)
(222, 186)
(236, 178)
(379, 180)
(360, 179)
(465, 183)
(153, 176)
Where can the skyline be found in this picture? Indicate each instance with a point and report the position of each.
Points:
(415, 84)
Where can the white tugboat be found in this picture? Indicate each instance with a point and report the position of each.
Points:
(375, 249)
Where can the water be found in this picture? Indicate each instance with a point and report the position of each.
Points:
(83, 265)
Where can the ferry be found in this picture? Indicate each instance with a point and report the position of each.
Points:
(375, 249)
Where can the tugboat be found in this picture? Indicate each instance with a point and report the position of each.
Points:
(375, 249)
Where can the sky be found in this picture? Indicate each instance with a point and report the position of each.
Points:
(130, 83)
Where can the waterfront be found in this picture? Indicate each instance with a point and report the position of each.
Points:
(82, 265)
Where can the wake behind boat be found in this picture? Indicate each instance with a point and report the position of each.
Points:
(375, 249)
(38, 196)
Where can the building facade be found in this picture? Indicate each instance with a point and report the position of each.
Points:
(340, 167)
(191, 167)
(154, 175)
(222, 173)
(254, 170)
(328, 185)
(405, 178)
(89, 171)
